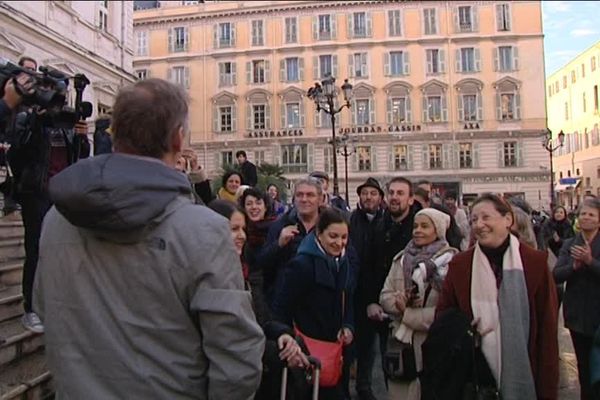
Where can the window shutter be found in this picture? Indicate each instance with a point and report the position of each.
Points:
(446, 158)
(249, 124)
(254, 26)
(317, 119)
(373, 158)
(171, 40)
(310, 156)
(334, 65)
(405, 63)
(186, 77)
(215, 118)
(391, 163)
(444, 107)
(456, 18)
(365, 64)
(267, 71)
(351, 65)
(425, 111)
(442, 60)
(388, 111)
(500, 152)
(248, 72)
(386, 64)
(282, 77)
(477, 56)
(460, 105)
(315, 67)
(276, 152)
(425, 156)
(496, 51)
(508, 17)
(315, 28)
(282, 115)
(215, 36)
(333, 25)
(408, 109)
(234, 73)
(170, 74)
(369, 23)
(458, 61)
(476, 149)
(515, 55)
(454, 155)
(354, 112)
(187, 38)
(301, 68)
(217, 161)
(354, 162)
(479, 106)
(232, 27)
(350, 19)
(475, 18)
(519, 154)
(498, 17)
(517, 105)
(409, 157)
(234, 117)
(302, 119)
(390, 23)
(267, 116)
(498, 107)
(429, 57)
(372, 111)
(264, 37)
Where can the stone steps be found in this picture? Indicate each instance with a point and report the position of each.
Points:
(28, 378)
(16, 341)
(11, 272)
(12, 248)
(11, 300)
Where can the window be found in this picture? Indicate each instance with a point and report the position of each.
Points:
(227, 158)
(465, 155)
(564, 82)
(258, 33)
(429, 21)
(225, 119)
(359, 25)
(588, 181)
(469, 107)
(503, 17)
(259, 157)
(583, 70)
(362, 112)
(398, 111)
(566, 111)
(142, 43)
(292, 115)
(508, 100)
(436, 61)
(556, 87)
(584, 103)
(324, 66)
(294, 158)
(468, 60)
(394, 23)
(291, 30)
(593, 64)
(465, 19)
(189, 2)
(400, 157)
(178, 39)
(364, 158)
(224, 35)
(510, 154)
(435, 156)
(180, 76)
(508, 106)
(398, 104)
(258, 117)
(141, 74)
(573, 77)
(103, 16)
(506, 58)
(434, 104)
(396, 63)
(227, 74)
(258, 71)
(291, 69)
(595, 98)
(358, 64)
(324, 27)
(434, 108)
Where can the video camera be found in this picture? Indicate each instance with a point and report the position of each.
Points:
(49, 93)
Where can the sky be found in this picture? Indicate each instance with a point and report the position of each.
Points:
(570, 27)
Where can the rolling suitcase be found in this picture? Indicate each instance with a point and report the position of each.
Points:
(316, 367)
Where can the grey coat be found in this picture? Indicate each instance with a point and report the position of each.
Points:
(581, 303)
(141, 291)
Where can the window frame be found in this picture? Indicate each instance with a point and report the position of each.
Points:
(291, 150)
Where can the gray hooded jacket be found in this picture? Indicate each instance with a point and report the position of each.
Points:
(141, 291)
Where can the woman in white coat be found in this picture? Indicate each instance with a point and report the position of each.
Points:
(412, 289)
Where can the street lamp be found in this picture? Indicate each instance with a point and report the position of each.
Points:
(550, 145)
(324, 95)
(346, 151)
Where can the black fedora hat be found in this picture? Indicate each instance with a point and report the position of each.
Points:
(371, 182)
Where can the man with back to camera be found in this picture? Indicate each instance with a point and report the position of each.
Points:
(247, 169)
(141, 290)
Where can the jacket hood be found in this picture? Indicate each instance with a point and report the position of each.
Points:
(116, 193)
(310, 246)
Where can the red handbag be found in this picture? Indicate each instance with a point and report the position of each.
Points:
(330, 355)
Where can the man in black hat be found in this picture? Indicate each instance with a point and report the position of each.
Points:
(329, 200)
(366, 236)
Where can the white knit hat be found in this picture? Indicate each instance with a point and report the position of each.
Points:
(440, 220)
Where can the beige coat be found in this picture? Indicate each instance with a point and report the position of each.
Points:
(418, 319)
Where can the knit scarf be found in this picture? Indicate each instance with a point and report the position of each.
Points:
(414, 255)
(223, 194)
(504, 321)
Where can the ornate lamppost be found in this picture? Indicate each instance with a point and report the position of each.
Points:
(550, 145)
(324, 95)
(346, 150)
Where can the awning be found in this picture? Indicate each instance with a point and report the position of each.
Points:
(572, 184)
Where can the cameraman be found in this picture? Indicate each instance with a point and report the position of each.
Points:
(38, 152)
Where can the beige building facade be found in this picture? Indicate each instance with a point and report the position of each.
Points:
(447, 91)
(90, 37)
(573, 107)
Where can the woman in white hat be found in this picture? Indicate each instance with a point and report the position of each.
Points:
(410, 295)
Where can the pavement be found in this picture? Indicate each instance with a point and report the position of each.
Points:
(568, 388)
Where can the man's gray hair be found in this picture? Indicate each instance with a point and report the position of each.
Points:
(310, 182)
(146, 115)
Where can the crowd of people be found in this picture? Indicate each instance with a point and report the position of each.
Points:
(146, 293)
